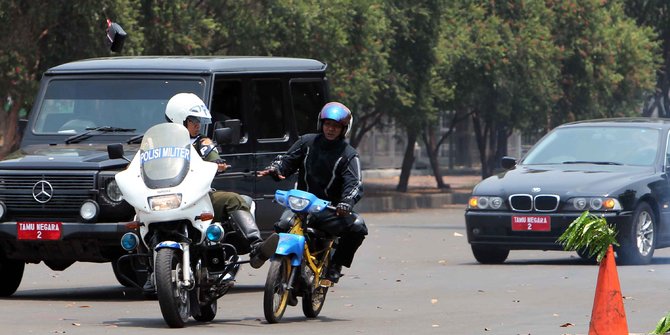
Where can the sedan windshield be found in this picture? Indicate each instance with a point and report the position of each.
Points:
(602, 145)
(73, 106)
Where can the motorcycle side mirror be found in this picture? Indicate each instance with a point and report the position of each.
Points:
(115, 36)
(229, 134)
(115, 151)
(508, 162)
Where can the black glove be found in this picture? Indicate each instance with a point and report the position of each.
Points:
(343, 209)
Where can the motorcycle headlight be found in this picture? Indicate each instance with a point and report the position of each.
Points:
(165, 202)
(129, 241)
(214, 233)
(113, 191)
(297, 204)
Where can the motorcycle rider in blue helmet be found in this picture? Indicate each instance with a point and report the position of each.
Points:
(329, 167)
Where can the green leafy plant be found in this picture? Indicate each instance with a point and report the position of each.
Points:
(663, 325)
(590, 233)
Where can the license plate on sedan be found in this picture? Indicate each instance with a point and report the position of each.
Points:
(531, 223)
(39, 230)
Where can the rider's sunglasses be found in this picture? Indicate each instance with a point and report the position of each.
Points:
(193, 119)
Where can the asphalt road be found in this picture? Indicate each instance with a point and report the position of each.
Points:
(414, 275)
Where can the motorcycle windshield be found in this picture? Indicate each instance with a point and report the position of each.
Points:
(165, 155)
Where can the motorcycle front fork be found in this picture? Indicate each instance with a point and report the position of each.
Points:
(186, 266)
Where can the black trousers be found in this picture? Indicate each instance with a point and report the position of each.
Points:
(350, 229)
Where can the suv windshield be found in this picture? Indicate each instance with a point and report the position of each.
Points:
(70, 106)
(603, 145)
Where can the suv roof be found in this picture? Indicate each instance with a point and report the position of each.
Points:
(186, 64)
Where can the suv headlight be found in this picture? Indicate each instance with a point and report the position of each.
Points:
(485, 202)
(593, 204)
(113, 191)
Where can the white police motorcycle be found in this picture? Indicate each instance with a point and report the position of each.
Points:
(168, 184)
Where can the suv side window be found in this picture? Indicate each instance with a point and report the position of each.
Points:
(308, 98)
(227, 104)
(268, 110)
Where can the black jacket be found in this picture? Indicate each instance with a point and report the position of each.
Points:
(331, 170)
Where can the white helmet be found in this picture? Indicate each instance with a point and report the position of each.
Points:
(183, 105)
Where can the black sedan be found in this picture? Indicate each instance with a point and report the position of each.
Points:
(616, 168)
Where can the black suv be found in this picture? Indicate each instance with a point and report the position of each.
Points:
(59, 202)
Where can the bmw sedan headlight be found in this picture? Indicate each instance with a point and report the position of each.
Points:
(485, 202)
(165, 202)
(593, 204)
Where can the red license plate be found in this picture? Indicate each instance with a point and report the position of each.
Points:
(531, 223)
(39, 230)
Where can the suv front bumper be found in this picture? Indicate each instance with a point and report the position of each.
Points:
(78, 242)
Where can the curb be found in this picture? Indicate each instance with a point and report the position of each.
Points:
(405, 202)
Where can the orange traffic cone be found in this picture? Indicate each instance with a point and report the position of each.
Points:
(608, 316)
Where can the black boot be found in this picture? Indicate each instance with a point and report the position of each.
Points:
(261, 250)
(334, 272)
(149, 288)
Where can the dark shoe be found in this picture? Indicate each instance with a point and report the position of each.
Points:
(334, 273)
(261, 252)
(149, 286)
(292, 300)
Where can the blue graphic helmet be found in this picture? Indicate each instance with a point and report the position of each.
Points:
(337, 112)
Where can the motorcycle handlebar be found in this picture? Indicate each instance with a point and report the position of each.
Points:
(330, 207)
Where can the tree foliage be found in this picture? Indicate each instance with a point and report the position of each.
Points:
(608, 63)
(505, 65)
(656, 15)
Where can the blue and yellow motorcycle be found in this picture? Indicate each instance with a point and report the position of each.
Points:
(299, 265)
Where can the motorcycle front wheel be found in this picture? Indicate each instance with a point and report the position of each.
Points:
(275, 297)
(172, 298)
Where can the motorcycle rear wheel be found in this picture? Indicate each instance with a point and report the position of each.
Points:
(275, 296)
(173, 299)
(315, 295)
(312, 301)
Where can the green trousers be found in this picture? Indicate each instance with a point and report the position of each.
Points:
(225, 203)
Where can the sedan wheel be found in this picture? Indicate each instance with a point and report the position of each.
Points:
(638, 239)
(489, 255)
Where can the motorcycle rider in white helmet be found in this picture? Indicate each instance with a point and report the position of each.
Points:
(189, 110)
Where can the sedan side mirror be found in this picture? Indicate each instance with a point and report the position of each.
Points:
(508, 162)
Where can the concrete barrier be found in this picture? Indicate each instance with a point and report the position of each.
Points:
(409, 201)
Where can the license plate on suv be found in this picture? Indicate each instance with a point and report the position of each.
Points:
(39, 230)
(531, 223)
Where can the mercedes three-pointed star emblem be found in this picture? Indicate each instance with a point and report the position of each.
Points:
(42, 191)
